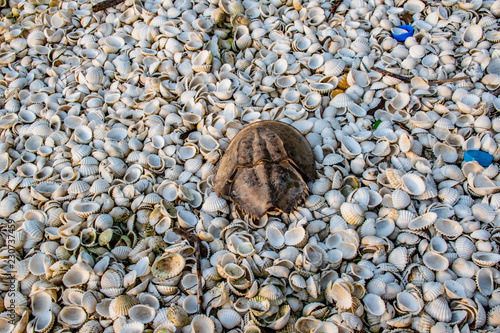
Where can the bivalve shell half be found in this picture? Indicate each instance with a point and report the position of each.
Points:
(41, 302)
(202, 324)
(408, 303)
(312, 101)
(296, 237)
(439, 309)
(464, 247)
(85, 209)
(352, 213)
(413, 184)
(423, 222)
(72, 316)
(448, 228)
(229, 318)
(44, 322)
(322, 88)
(432, 290)
(142, 313)
(168, 266)
(121, 305)
(486, 259)
(374, 305)
(77, 275)
(435, 261)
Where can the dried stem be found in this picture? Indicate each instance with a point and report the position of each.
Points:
(396, 76)
(103, 5)
(335, 6)
(198, 247)
(454, 79)
(371, 112)
(408, 79)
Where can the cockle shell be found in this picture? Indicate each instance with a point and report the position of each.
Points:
(142, 313)
(112, 132)
(72, 316)
(423, 222)
(296, 237)
(485, 259)
(374, 304)
(229, 318)
(408, 302)
(202, 324)
(44, 321)
(77, 275)
(439, 309)
(121, 305)
(435, 261)
(168, 266)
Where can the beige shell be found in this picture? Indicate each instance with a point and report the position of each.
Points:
(399, 257)
(494, 316)
(296, 237)
(142, 313)
(111, 279)
(78, 274)
(409, 303)
(121, 305)
(432, 290)
(168, 266)
(352, 213)
(177, 315)
(202, 324)
(423, 222)
(72, 316)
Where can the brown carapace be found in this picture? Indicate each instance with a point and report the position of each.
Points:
(266, 167)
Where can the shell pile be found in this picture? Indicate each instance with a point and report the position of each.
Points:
(112, 124)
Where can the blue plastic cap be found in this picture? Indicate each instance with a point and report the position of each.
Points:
(482, 157)
(402, 37)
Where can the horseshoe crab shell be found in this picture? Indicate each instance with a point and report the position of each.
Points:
(247, 177)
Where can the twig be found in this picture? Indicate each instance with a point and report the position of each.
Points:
(408, 79)
(371, 112)
(335, 6)
(200, 251)
(103, 5)
(396, 76)
(454, 79)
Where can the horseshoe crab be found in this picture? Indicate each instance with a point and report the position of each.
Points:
(266, 167)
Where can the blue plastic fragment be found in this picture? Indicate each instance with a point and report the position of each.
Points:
(482, 157)
(402, 37)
